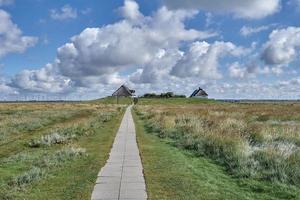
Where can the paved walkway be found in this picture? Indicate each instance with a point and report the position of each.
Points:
(122, 176)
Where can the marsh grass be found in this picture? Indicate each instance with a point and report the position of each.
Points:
(62, 139)
(62, 136)
(251, 141)
(44, 164)
(177, 173)
(65, 135)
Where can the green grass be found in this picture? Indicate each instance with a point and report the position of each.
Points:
(58, 169)
(258, 141)
(155, 101)
(15, 142)
(174, 173)
(174, 101)
(76, 180)
(113, 100)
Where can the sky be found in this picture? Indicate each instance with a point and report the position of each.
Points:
(75, 49)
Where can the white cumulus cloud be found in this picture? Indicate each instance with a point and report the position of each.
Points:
(124, 45)
(251, 9)
(97, 56)
(283, 46)
(11, 37)
(247, 31)
(44, 80)
(64, 13)
(158, 70)
(249, 70)
(202, 59)
(131, 11)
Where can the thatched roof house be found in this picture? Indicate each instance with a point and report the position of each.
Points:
(123, 91)
(199, 93)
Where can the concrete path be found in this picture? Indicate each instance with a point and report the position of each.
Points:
(122, 176)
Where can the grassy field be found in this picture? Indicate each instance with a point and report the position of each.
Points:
(207, 150)
(54, 151)
(114, 100)
(190, 149)
(174, 101)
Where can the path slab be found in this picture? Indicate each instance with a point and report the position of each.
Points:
(122, 176)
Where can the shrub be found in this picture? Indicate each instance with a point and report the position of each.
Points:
(61, 156)
(63, 136)
(48, 140)
(20, 157)
(70, 152)
(28, 177)
(263, 118)
(105, 117)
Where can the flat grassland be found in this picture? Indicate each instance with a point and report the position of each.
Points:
(190, 148)
(193, 149)
(54, 150)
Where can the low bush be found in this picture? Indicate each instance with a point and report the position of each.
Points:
(28, 177)
(106, 117)
(65, 135)
(60, 157)
(48, 140)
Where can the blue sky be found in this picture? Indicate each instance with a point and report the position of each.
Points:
(86, 49)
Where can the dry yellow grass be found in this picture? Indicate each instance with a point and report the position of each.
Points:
(260, 141)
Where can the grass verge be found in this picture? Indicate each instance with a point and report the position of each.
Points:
(174, 173)
(55, 171)
(77, 179)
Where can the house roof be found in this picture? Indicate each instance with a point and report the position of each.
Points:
(125, 91)
(199, 92)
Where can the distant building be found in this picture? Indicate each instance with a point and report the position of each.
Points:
(123, 91)
(199, 93)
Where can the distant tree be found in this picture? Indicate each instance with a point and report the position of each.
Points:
(163, 95)
(180, 96)
(149, 95)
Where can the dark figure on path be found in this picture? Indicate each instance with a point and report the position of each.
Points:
(135, 100)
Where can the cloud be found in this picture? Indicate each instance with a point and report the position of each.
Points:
(155, 53)
(44, 80)
(298, 3)
(250, 70)
(94, 81)
(7, 90)
(247, 31)
(130, 10)
(254, 89)
(158, 70)
(282, 46)
(236, 71)
(295, 82)
(294, 4)
(97, 56)
(86, 11)
(208, 19)
(125, 45)
(64, 13)
(6, 2)
(250, 9)
(11, 38)
(202, 59)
